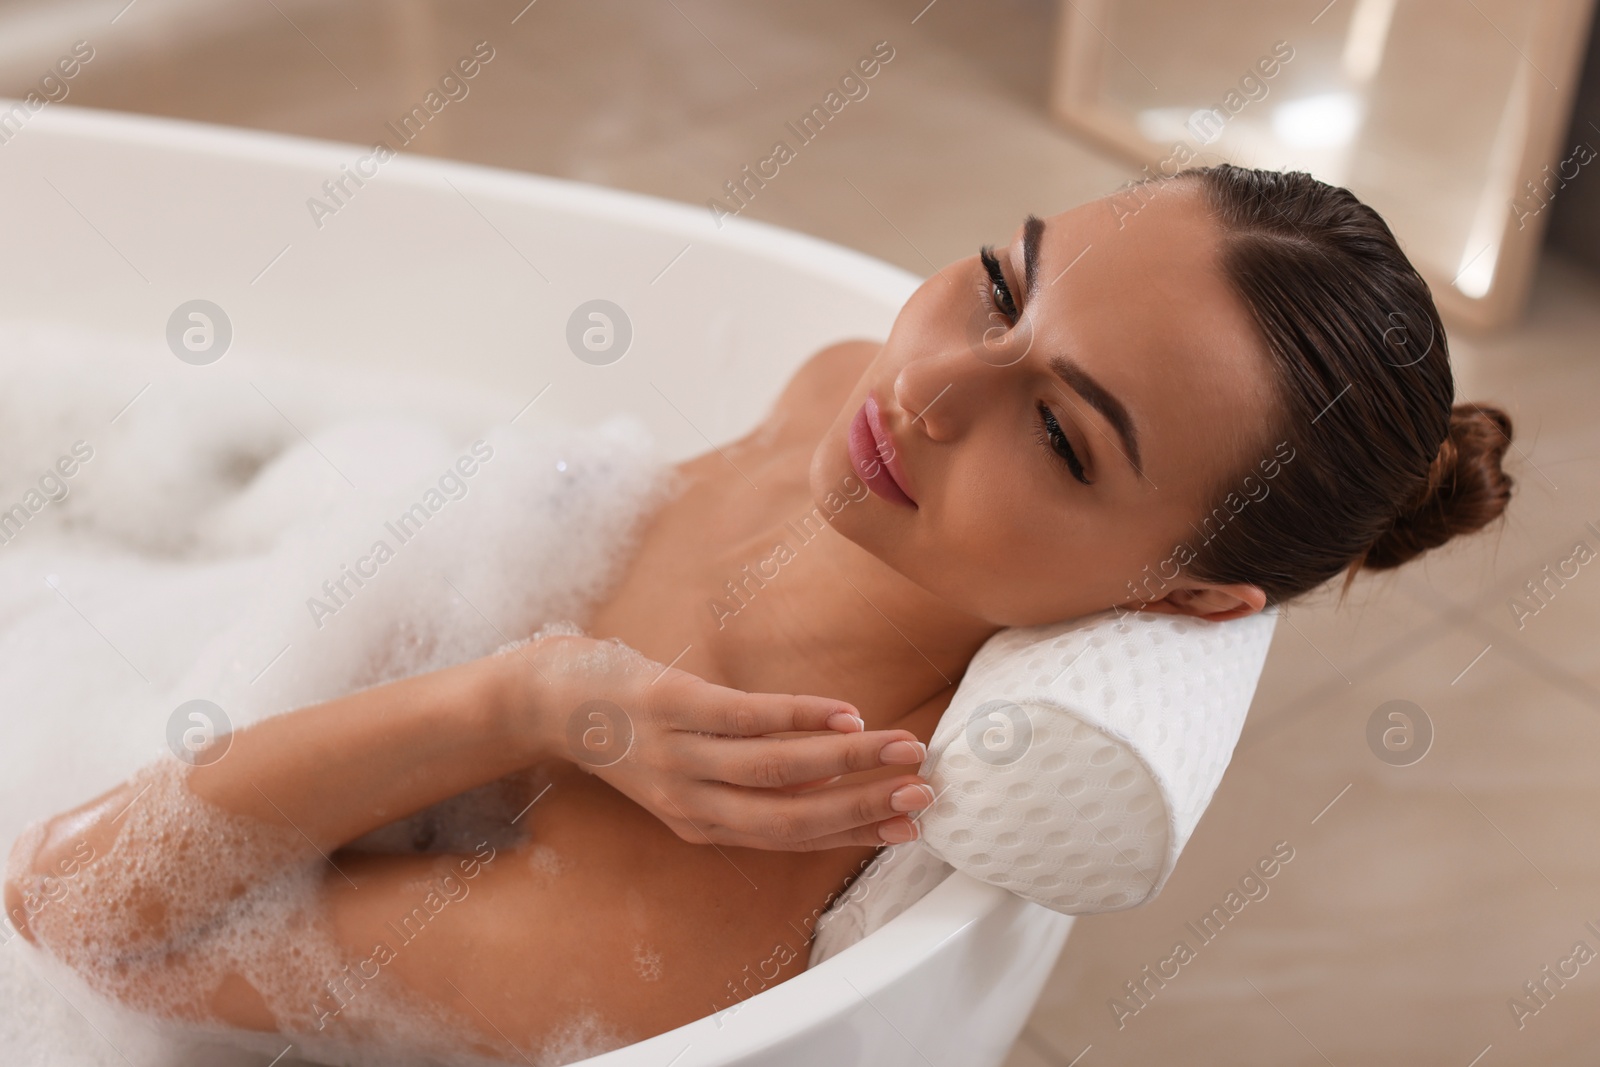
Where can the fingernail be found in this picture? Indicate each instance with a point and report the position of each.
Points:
(903, 752)
(843, 720)
(897, 832)
(911, 797)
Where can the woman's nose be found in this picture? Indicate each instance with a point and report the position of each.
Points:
(944, 390)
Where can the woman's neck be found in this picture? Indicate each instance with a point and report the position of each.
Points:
(803, 609)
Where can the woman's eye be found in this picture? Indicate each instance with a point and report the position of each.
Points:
(1054, 439)
(999, 293)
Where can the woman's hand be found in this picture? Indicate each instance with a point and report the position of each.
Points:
(706, 760)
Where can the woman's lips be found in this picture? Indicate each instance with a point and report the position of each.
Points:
(873, 455)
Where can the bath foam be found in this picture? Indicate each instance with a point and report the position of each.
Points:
(480, 574)
(533, 543)
(128, 986)
(146, 994)
(242, 916)
(171, 553)
(547, 861)
(205, 463)
(609, 656)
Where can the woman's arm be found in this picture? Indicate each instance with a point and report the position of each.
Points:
(287, 792)
(159, 891)
(337, 770)
(293, 788)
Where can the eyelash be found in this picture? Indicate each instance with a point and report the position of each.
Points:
(997, 280)
(1055, 442)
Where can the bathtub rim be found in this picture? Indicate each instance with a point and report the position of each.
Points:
(824, 259)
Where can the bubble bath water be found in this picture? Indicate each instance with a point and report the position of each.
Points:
(191, 545)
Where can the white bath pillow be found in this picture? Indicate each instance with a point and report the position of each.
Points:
(1072, 765)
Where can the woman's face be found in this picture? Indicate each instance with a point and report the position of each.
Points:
(1056, 446)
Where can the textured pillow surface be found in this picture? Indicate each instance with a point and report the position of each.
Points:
(1072, 765)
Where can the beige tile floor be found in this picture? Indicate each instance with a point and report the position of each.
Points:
(1420, 898)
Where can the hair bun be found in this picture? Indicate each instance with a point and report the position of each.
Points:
(1466, 488)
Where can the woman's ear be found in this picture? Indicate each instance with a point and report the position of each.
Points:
(1214, 603)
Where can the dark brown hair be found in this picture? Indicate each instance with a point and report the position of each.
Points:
(1385, 464)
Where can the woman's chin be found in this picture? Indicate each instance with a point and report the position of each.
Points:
(830, 464)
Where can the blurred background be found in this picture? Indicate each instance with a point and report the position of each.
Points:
(1439, 879)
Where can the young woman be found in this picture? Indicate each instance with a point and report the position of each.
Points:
(1048, 426)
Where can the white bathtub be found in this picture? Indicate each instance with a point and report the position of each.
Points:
(113, 221)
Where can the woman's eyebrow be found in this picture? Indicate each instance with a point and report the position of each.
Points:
(1032, 231)
(1095, 395)
(1078, 379)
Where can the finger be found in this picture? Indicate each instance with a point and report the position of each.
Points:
(804, 787)
(768, 763)
(715, 709)
(868, 835)
(846, 722)
(786, 821)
